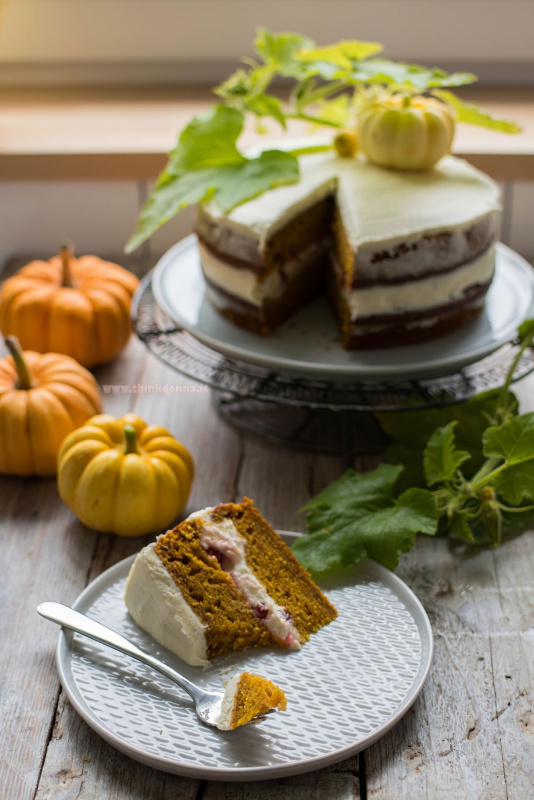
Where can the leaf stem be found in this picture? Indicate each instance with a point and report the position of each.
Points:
(314, 120)
(502, 401)
(313, 148)
(321, 93)
(479, 479)
(519, 510)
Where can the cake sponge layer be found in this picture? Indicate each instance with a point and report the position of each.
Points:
(223, 581)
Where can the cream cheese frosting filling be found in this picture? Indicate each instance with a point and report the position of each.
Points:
(243, 283)
(223, 540)
(420, 294)
(227, 705)
(157, 605)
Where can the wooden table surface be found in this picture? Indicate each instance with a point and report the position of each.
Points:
(126, 133)
(469, 736)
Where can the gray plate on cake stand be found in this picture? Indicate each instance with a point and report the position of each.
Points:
(348, 685)
(308, 344)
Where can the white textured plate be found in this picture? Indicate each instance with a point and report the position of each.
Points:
(348, 685)
(309, 342)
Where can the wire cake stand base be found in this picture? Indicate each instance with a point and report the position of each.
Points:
(326, 416)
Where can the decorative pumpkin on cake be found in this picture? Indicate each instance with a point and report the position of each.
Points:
(403, 132)
(123, 476)
(76, 306)
(42, 399)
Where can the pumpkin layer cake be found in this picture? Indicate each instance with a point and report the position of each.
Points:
(247, 696)
(223, 581)
(406, 256)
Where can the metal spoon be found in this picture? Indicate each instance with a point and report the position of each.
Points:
(207, 704)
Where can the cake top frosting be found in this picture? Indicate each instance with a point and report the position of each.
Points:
(376, 204)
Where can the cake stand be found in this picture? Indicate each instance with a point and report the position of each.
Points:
(323, 416)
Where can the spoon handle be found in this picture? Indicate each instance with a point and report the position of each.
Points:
(75, 621)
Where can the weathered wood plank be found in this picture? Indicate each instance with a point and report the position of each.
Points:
(451, 744)
(512, 660)
(80, 764)
(45, 557)
(322, 785)
(188, 413)
(277, 479)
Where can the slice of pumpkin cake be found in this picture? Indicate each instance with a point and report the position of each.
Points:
(222, 581)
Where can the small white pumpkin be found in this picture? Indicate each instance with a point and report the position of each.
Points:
(406, 133)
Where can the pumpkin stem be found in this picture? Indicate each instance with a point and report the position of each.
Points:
(65, 253)
(130, 437)
(25, 377)
(406, 101)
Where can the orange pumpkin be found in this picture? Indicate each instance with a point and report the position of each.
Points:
(76, 306)
(42, 399)
(123, 476)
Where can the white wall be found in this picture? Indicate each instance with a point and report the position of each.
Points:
(183, 35)
(98, 216)
(80, 30)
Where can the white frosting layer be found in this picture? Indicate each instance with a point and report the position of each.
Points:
(224, 538)
(243, 283)
(227, 706)
(383, 299)
(158, 606)
(420, 294)
(377, 205)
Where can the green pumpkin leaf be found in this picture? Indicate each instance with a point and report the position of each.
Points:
(270, 169)
(242, 83)
(411, 430)
(474, 115)
(441, 458)
(397, 74)
(264, 105)
(206, 165)
(514, 443)
(278, 50)
(338, 111)
(341, 54)
(357, 517)
(459, 528)
(356, 487)
(209, 140)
